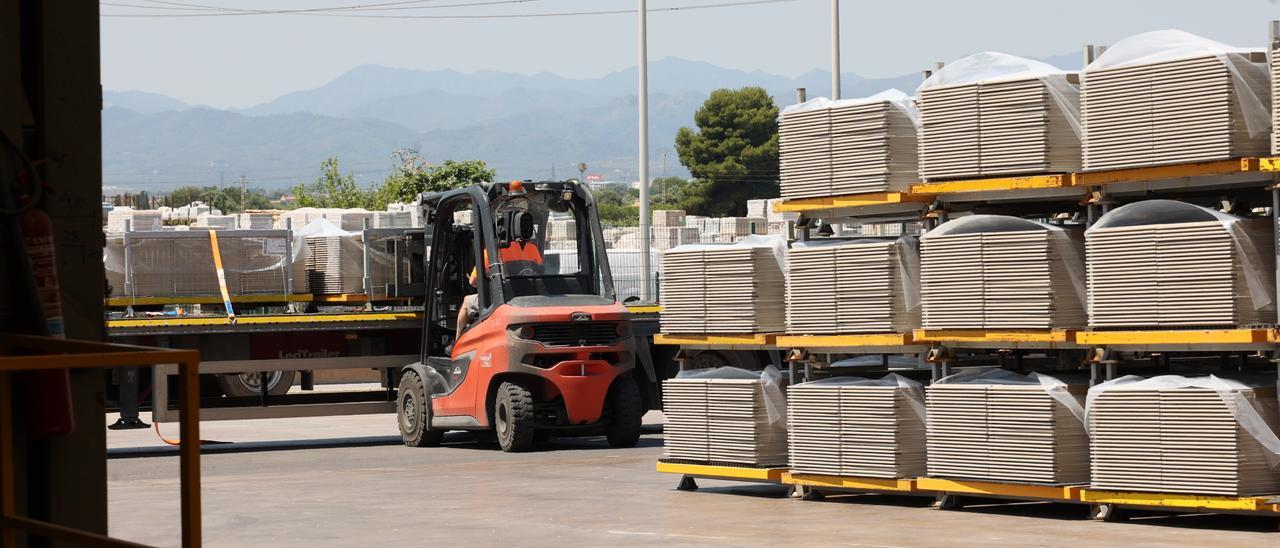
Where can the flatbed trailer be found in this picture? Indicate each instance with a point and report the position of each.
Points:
(376, 341)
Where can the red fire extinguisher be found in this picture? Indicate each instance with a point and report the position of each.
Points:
(48, 393)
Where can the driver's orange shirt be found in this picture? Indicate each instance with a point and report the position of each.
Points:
(514, 252)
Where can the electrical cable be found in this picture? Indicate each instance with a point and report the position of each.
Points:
(386, 6)
(327, 12)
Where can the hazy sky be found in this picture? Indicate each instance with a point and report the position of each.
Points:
(239, 61)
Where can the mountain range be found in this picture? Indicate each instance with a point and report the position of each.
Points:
(523, 125)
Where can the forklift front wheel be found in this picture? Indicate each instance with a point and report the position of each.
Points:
(626, 413)
(413, 408)
(513, 418)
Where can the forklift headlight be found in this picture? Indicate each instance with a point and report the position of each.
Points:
(525, 332)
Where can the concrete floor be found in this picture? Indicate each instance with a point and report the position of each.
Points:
(359, 487)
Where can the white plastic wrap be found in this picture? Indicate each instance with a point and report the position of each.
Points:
(1052, 386)
(992, 67)
(895, 97)
(775, 398)
(908, 255)
(914, 390)
(1149, 212)
(1002, 223)
(1228, 390)
(1169, 45)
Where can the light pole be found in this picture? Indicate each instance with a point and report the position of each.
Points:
(835, 49)
(582, 172)
(645, 274)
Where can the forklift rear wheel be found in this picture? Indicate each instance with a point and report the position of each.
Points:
(513, 418)
(413, 408)
(626, 412)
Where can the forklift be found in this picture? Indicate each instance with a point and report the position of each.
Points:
(544, 347)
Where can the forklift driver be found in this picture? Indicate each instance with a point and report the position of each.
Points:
(515, 252)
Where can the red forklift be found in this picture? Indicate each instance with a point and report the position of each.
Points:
(545, 347)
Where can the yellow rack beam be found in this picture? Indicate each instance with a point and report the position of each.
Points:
(802, 205)
(1177, 171)
(845, 341)
(263, 320)
(1174, 336)
(1181, 501)
(1057, 180)
(1065, 493)
(155, 301)
(723, 472)
(754, 339)
(644, 309)
(996, 335)
(900, 485)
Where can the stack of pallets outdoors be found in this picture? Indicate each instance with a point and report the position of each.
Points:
(996, 272)
(724, 288)
(992, 114)
(853, 286)
(850, 146)
(1172, 434)
(1170, 97)
(1163, 263)
(856, 427)
(1000, 426)
(725, 416)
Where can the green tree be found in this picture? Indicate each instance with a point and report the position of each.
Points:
(333, 189)
(228, 199)
(413, 177)
(733, 151)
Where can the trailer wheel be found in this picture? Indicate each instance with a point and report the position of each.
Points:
(250, 384)
(413, 411)
(513, 418)
(626, 411)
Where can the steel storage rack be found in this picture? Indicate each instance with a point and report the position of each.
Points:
(1244, 185)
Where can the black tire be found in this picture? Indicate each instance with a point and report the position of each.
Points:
(247, 384)
(626, 412)
(413, 412)
(513, 418)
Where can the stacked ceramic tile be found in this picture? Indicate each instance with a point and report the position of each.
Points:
(1014, 275)
(850, 287)
(257, 220)
(844, 427)
(742, 226)
(998, 128)
(804, 152)
(846, 147)
(1179, 440)
(873, 148)
(1005, 432)
(351, 220)
(224, 222)
(668, 217)
(1168, 112)
(335, 265)
(686, 433)
(392, 219)
(739, 427)
(1187, 272)
(722, 289)
(139, 219)
(667, 237)
(721, 420)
